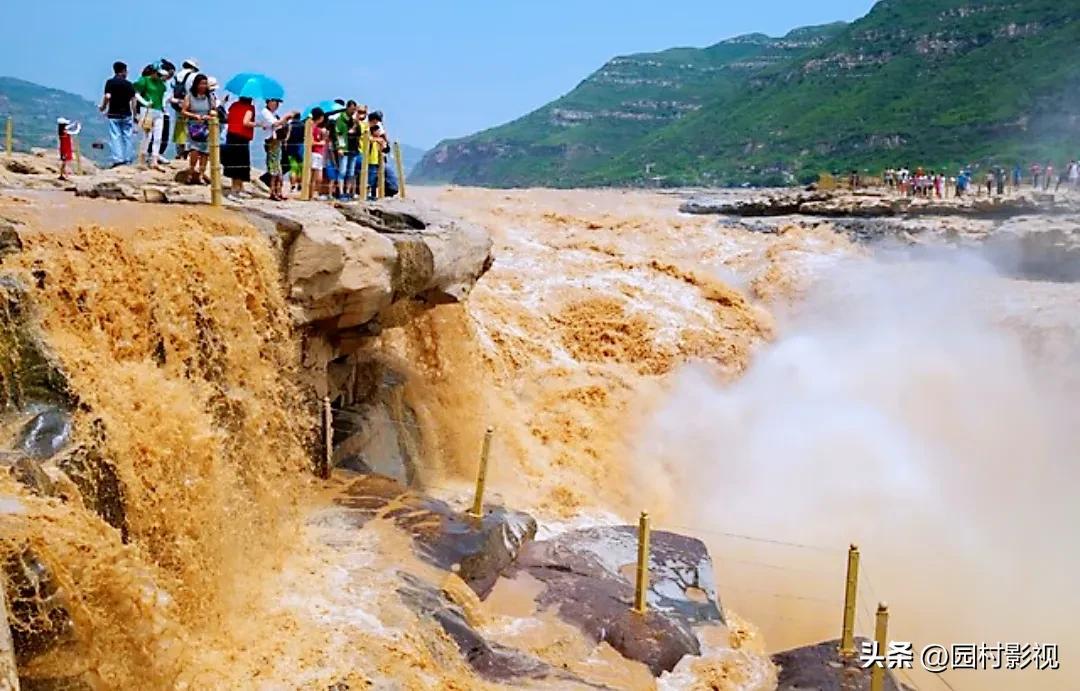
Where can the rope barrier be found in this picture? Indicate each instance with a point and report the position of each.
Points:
(763, 540)
(805, 598)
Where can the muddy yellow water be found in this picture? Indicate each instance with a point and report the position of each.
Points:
(629, 358)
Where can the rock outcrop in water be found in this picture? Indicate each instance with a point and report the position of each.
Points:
(873, 205)
(587, 577)
(477, 550)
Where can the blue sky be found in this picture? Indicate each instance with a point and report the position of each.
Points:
(437, 68)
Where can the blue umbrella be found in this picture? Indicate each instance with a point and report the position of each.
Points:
(255, 85)
(326, 106)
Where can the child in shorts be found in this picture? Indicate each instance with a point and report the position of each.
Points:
(318, 147)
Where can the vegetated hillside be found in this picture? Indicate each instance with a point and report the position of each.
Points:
(626, 101)
(35, 109)
(938, 83)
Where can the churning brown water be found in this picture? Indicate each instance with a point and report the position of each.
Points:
(739, 386)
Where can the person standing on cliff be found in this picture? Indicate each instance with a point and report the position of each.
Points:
(150, 92)
(181, 86)
(380, 147)
(118, 106)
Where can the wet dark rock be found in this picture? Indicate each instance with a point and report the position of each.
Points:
(587, 574)
(820, 667)
(27, 373)
(45, 434)
(490, 660)
(477, 550)
(98, 483)
(375, 428)
(38, 616)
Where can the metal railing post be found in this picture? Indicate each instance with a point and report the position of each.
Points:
(305, 173)
(400, 169)
(641, 585)
(881, 635)
(365, 159)
(847, 637)
(380, 192)
(477, 510)
(215, 160)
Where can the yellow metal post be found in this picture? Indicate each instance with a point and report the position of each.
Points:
(365, 146)
(477, 510)
(9, 136)
(215, 160)
(881, 635)
(847, 637)
(78, 154)
(642, 581)
(328, 438)
(380, 192)
(400, 170)
(305, 174)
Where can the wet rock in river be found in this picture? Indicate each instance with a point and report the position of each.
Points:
(477, 550)
(822, 668)
(587, 574)
(99, 484)
(490, 660)
(28, 373)
(45, 434)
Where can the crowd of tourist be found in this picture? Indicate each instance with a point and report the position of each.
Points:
(997, 180)
(175, 106)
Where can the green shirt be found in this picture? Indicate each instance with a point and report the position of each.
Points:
(152, 90)
(341, 130)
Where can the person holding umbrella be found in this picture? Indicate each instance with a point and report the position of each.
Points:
(240, 128)
(239, 131)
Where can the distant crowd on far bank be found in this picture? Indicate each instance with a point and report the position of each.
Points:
(995, 180)
(176, 106)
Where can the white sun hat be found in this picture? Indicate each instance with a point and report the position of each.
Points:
(63, 121)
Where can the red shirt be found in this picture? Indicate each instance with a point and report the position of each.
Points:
(237, 112)
(318, 140)
(65, 147)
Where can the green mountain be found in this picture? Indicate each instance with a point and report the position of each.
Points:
(939, 83)
(34, 109)
(621, 105)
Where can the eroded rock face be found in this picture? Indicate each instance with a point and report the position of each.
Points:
(587, 574)
(349, 263)
(478, 551)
